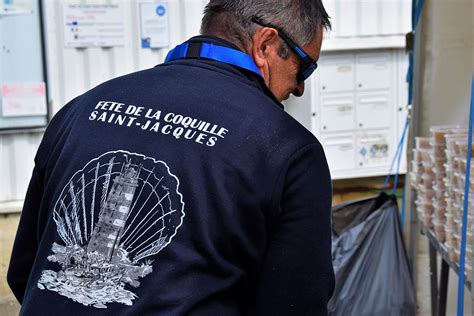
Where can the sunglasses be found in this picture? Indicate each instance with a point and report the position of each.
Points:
(309, 65)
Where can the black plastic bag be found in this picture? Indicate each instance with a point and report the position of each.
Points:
(370, 261)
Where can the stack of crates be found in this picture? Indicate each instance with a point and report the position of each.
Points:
(455, 180)
(443, 221)
(422, 180)
(438, 176)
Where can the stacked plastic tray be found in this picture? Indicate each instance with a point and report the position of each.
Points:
(456, 153)
(438, 175)
(422, 179)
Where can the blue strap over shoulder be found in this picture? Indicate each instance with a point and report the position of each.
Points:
(214, 52)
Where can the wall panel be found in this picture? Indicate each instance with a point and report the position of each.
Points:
(72, 71)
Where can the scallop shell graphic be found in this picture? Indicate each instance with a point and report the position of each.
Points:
(113, 217)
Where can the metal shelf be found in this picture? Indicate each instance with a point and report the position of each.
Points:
(443, 251)
(439, 290)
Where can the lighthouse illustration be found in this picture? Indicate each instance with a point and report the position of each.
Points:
(108, 231)
(112, 218)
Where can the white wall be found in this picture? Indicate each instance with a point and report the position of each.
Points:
(16, 160)
(72, 71)
(20, 61)
(448, 63)
(362, 24)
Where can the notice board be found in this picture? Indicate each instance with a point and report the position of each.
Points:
(23, 93)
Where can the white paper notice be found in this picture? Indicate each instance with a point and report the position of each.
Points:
(154, 25)
(90, 25)
(23, 99)
(11, 7)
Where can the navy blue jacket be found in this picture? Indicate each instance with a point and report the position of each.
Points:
(182, 189)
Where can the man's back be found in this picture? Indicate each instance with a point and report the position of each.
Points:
(180, 189)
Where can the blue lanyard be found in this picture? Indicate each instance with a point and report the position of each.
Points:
(462, 258)
(215, 52)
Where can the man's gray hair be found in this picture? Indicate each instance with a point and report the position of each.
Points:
(299, 19)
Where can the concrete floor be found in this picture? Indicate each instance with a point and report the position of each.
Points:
(9, 306)
(8, 226)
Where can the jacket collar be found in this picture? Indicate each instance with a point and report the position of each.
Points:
(250, 75)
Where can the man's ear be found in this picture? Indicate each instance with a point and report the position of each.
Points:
(265, 45)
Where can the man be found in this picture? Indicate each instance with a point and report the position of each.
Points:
(186, 188)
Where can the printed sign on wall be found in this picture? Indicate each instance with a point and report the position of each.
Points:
(154, 25)
(15, 7)
(92, 25)
(23, 99)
